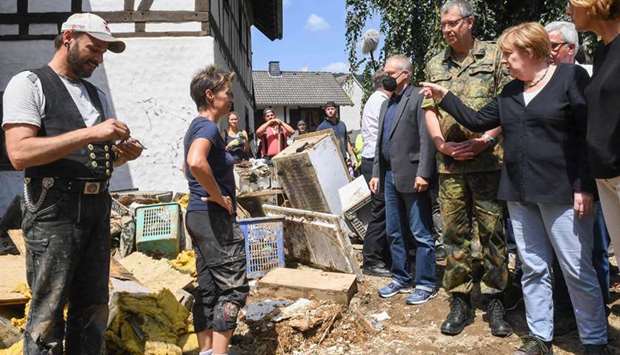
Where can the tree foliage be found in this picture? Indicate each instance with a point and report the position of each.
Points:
(411, 27)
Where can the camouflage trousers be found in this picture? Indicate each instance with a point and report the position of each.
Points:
(67, 263)
(473, 232)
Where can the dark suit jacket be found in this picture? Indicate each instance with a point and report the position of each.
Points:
(412, 152)
(545, 150)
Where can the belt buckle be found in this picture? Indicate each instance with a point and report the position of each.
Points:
(91, 188)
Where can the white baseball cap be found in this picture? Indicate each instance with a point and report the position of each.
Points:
(96, 27)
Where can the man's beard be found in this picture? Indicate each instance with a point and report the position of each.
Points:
(80, 67)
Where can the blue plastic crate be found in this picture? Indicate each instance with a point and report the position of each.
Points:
(264, 244)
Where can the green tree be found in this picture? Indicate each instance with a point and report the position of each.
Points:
(411, 27)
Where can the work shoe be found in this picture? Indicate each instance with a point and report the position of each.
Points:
(495, 314)
(419, 296)
(377, 270)
(591, 349)
(461, 314)
(393, 288)
(534, 346)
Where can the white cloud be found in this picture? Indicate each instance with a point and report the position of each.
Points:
(305, 68)
(337, 67)
(316, 23)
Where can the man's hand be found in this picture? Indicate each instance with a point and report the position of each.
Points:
(110, 130)
(421, 184)
(470, 149)
(128, 150)
(583, 204)
(450, 148)
(224, 201)
(374, 185)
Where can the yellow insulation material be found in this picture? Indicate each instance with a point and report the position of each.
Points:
(15, 349)
(141, 322)
(185, 262)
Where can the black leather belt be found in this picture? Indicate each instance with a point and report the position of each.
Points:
(86, 187)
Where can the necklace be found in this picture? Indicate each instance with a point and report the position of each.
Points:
(534, 83)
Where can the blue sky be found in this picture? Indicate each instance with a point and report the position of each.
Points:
(313, 38)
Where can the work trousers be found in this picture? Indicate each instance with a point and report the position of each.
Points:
(376, 250)
(473, 232)
(220, 263)
(67, 263)
(410, 212)
(540, 231)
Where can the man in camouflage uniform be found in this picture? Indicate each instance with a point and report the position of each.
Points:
(469, 172)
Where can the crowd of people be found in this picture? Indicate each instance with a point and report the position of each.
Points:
(515, 142)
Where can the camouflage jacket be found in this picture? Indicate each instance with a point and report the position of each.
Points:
(477, 80)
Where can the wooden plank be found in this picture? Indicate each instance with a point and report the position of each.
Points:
(269, 192)
(201, 5)
(312, 284)
(129, 5)
(145, 5)
(17, 237)
(155, 274)
(12, 275)
(22, 10)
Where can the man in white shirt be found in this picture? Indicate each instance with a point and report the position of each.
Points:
(376, 250)
(60, 131)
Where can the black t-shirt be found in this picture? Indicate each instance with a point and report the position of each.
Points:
(219, 159)
(604, 112)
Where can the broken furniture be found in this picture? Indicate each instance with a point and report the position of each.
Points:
(316, 239)
(311, 170)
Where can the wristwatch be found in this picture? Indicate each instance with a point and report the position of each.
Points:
(489, 139)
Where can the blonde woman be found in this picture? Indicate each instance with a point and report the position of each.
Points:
(545, 180)
(236, 139)
(603, 18)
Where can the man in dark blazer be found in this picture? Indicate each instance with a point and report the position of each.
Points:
(403, 166)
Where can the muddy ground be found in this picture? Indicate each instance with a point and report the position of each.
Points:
(410, 329)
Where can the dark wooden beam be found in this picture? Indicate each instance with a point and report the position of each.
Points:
(76, 6)
(145, 5)
(201, 5)
(129, 4)
(110, 16)
(22, 10)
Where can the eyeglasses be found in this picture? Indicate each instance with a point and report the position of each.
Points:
(557, 45)
(453, 23)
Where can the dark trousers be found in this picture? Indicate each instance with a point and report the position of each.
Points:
(376, 250)
(67, 262)
(220, 263)
(410, 212)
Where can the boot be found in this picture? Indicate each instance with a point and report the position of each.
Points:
(461, 314)
(596, 349)
(534, 346)
(495, 314)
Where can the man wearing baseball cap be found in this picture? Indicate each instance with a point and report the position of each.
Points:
(61, 131)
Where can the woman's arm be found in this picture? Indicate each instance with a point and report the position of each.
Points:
(478, 121)
(201, 170)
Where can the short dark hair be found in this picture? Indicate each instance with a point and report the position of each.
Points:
(266, 110)
(330, 104)
(58, 38)
(209, 78)
(377, 79)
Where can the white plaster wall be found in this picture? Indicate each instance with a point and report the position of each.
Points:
(149, 87)
(351, 115)
(118, 5)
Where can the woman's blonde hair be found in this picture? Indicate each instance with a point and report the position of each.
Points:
(602, 9)
(530, 37)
